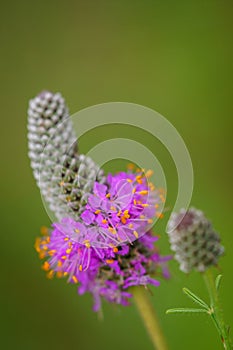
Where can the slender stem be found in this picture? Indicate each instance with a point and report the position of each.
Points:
(149, 317)
(216, 311)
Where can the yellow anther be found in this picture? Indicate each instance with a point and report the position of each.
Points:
(109, 261)
(108, 195)
(66, 239)
(80, 268)
(112, 230)
(44, 230)
(37, 245)
(145, 205)
(130, 166)
(104, 221)
(113, 208)
(74, 278)
(143, 193)
(87, 243)
(52, 252)
(150, 221)
(65, 273)
(59, 274)
(42, 255)
(50, 274)
(68, 251)
(68, 198)
(119, 213)
(156, 205)
(59, 263)
(134, 202)
(62, 183)
(159, 215)
(64, 257)
(97, 211)
(77, 230)
(46, 266)
(115, 249)
(45, 247)
(129, 180)
(149, 173)
(135, 234)
(152, 186)
(133, 190)
(131, 225)
(142, 216)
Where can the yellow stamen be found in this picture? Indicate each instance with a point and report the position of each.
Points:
(46, 266)
(62, 183)
(77, 230)
(59, 263)
(51, 252)
(159, 215)
(130, 166)
(133, 190)
(87, 243)
(68, 251)
(144, 192)
(97, 211)
(64, 257)
(74, 278)
(149, 173)
(50, 274)
(66, 239)
(44, 230)
(109, 261)
(112, 230)
(145, 205)
(150, 221)
(135, 234)
(113, 208)
(115, 249)
(80, 268)
(59, 274)
(104, 221)
(65, 273)
(129, 180)
(131, 225)
(108, 195)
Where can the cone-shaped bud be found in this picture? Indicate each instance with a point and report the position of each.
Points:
(194, 241)
(64, 177)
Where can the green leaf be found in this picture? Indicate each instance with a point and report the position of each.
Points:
(185, 310)
(218, 281)
(195, 298)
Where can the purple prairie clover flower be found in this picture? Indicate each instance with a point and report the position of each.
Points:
(111, 247)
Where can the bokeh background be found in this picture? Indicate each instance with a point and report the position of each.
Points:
(172, 56)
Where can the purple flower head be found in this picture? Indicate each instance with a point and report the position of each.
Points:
(111, 248)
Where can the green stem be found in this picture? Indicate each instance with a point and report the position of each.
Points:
(216, 311)
(149, 317)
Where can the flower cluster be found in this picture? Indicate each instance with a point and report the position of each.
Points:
(111, 247)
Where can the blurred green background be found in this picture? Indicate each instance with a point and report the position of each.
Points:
(172, 56)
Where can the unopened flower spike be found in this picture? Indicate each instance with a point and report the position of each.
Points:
(63, 175)
(193, 239)
(197, 247)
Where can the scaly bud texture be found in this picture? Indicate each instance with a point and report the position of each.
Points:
(64, 177)
(194, 241)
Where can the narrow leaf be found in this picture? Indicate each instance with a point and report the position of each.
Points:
(218, 281)
(185, 310)
(195, 298)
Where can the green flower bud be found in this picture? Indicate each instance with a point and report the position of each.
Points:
(195, 243)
